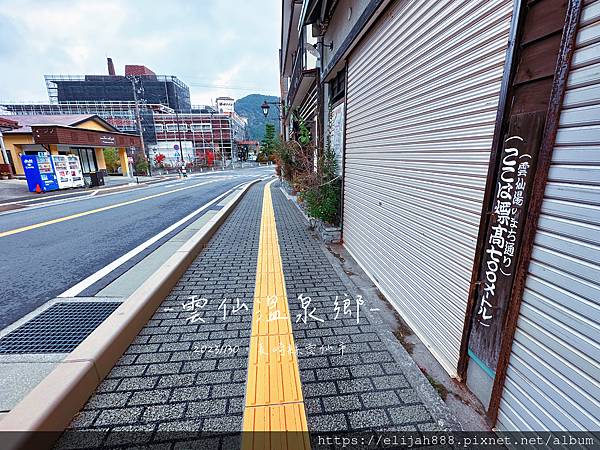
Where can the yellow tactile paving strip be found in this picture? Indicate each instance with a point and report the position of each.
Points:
(274, 402)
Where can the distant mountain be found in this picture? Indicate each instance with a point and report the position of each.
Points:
(249, 107)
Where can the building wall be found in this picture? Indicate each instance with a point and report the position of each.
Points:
(344, 18)
(552, 379)
(422, 96)
(13, 144)
(118, 88)
(219, 136)
(93, 125)
(120, 115)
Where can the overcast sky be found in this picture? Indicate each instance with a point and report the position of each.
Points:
(217, 47)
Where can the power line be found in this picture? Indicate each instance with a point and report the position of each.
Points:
(232, 88)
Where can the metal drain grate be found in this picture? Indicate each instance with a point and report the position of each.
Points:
(59, 329)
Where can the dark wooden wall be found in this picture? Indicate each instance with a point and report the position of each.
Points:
(543, 30)
(537, 57)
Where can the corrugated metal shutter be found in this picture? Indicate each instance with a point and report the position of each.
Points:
(308, 108)
(423, 90)
(554, 370)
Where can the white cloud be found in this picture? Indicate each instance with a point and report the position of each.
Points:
(218, 47)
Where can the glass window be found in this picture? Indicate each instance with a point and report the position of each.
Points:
(201, 127)
(87, 158)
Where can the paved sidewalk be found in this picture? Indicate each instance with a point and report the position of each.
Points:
(187, 370)
(373, 385)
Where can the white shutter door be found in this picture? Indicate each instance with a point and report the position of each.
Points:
(423, 90)
(553, 378)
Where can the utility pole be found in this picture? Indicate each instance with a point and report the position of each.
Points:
(177, 118)
(138, 120)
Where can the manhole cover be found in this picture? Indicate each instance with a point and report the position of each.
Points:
(59, 329)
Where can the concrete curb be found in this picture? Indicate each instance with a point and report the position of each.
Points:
(53, 403)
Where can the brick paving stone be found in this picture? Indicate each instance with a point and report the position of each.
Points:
(376, 399)
(164, 380)
(84, 419)
(130, 435)
(191, 393)
(136, 383)
(207, 408)
(178, 380)
(163, 412)
(341, 403)
(109, 400)
(116, 417)
(409, 414)
(175, 380)
(73, 439)
(362, 387)
(327, 422)
(150, 397)
(369, 419)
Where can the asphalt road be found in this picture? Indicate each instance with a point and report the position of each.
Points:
(39, 263)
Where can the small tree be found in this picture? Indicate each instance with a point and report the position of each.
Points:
(269, 141)
(141, 165)
(112, 160)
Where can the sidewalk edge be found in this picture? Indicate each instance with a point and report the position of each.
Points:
(53, 403)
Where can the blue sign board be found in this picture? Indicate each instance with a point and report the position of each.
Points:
(39, 170)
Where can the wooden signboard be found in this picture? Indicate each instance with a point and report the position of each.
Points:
(508, 216)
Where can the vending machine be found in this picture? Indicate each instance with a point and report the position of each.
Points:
(39, 171)
(75, 171)
(61, 169)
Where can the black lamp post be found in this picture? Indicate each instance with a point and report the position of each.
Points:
(265, 108)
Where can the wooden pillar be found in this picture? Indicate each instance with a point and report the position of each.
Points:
(100, 158)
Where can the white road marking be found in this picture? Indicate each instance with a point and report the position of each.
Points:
(84, 284)
(87, 197)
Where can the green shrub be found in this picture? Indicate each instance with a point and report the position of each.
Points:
(323, 202)
(320, 189)
(141, 166)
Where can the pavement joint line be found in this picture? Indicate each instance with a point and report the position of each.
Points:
(73, 291)
(97, 210)
(53, 403)
(274, 401)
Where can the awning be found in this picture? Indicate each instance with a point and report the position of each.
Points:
(7, 124)
(61, 134)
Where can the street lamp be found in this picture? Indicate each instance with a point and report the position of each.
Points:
(265, 108)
